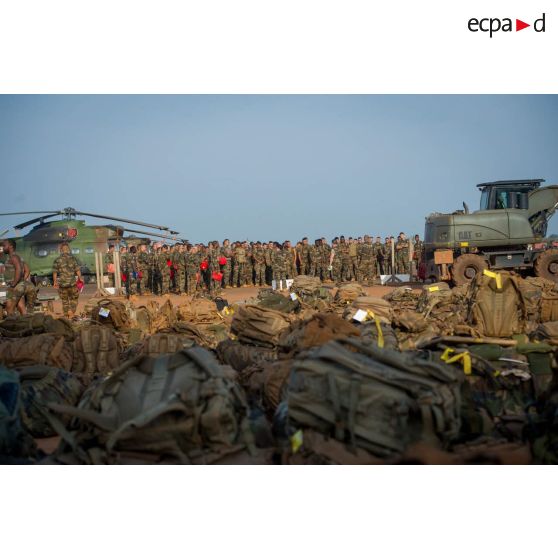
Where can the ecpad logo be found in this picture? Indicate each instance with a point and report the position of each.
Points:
(493, 25)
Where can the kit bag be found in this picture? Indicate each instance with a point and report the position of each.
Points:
(259, 326)
(46, 348)
(376, 399)
(179, 408)
(497, 307)
(95, 351)
(34, 324)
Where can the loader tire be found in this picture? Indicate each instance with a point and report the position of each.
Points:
(546, 265)
(466, 267)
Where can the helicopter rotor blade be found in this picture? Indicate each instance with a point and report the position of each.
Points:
(36, 220)
(148, 233)
(57, 212)
(140, 223)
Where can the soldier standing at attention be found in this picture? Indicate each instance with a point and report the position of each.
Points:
(14, 272)
(268, 252)
(239, 265)
(345, 259)
(64, 272)
(290, 268)
(313, 259)
(402, 254)
(335, 261)
(388, 268)
(325, 257)
(278, 263)
(379, 255)
(193, 261)
(143, 267)
(304, 256)
(227, 269)
(367, 261)
(353, 254)
(258, 256)
(164, 269)
(418, 248)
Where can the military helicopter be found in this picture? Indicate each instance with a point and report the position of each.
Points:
(41, 245)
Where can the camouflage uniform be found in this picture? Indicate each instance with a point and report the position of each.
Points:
(304, 258)
(366, 263)
(179, 271)
(258, 256)
(418, 249)
(324, 257)
(30, 295)
(130, 268)
(192, 263)
(239, 266)
(379, 255)
(402, 256)
(290, 264)
(66, 267)
(16, 292)
(388, 268)
(336, 264)
(353, 264)
(164, 270)
(268, 253)
(227, 268)
(143, 269)
(313, 255)
(344, 261)
(279, 265)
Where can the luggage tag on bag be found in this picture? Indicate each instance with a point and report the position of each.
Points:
(433, 289)
(294, 296)
(360, 316)
(104, 312)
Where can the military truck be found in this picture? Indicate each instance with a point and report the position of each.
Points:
(507, 232)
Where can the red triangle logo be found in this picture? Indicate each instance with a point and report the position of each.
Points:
(519, 25)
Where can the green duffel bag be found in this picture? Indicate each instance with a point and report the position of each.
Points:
(376, 399)
(177, 408)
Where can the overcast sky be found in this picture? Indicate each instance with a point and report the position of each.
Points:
(270, 167)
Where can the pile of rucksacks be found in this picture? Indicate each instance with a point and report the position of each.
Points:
(463, 375)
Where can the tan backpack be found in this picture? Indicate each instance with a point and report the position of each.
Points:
(348, 293)
(199, 311)
(95, 352)
(46, 348)
(165, 343)
(112, 313)
(497, 307)
(179, 408)
(259, 326)
(375, 306)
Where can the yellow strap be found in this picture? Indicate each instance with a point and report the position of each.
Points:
(297, 439)
(432, 289)
(464, 357)
(494, 275)
(378, 327)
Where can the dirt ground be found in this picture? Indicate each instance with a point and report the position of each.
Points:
(232, 295)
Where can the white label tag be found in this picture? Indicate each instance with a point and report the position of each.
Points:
(360, 316)
(104, 312)
(294, 296)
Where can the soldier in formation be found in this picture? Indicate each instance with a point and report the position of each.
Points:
(199, 268)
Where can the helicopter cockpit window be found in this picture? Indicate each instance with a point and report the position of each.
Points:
(42, 253)
(89, 250)
(75, 251)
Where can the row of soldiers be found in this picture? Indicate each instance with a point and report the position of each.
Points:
(186, 268)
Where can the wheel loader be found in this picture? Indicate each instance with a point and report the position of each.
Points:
(507, 232)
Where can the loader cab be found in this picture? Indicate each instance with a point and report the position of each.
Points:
(507, 194)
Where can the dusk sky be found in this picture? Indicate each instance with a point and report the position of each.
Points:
(270, 167)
